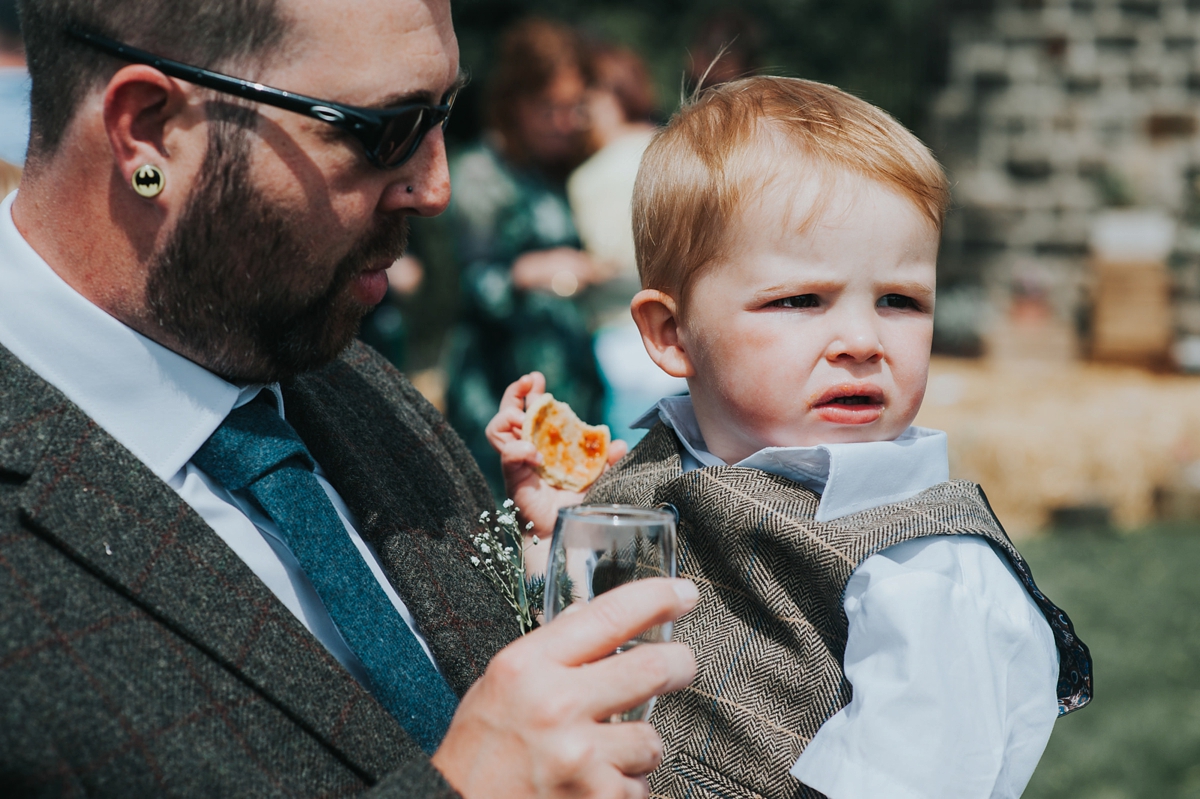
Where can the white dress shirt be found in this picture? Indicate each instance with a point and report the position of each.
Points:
(161, 407)
(953, 666)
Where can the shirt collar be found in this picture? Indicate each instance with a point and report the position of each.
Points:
(153, 401)
(849, 477)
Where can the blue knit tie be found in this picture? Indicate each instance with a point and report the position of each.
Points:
(256, 450)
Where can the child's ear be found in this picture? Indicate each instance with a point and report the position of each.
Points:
(657, 318)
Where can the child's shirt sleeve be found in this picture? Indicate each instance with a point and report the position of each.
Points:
(954, 671)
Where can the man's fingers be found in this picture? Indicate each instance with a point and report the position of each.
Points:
(616, 616)
(624, 681)
(632, 747)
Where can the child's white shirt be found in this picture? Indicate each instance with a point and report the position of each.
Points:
(953, 666)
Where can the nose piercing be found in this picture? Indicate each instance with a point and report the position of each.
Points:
(409, 189)
(148, 181)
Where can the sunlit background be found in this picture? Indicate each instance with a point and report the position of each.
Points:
(1068, 317)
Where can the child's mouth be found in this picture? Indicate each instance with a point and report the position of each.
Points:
(850, 404)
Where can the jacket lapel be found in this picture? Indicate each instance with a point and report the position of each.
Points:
(416, 494)
(92, 499)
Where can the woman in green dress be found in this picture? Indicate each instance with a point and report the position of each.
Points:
(521, 266)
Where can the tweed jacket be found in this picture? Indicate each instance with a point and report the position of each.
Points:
(140, 657)
(769, 632)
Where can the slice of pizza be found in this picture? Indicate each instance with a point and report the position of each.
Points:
(573, 453)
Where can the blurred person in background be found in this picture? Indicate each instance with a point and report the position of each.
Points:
(14, 95)
(621, 108)
(516, 244)
(10, 176)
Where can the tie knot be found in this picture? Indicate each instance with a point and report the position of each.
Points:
(252, 441)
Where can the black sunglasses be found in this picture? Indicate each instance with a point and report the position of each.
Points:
(389, 136)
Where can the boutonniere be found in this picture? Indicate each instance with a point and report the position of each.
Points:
(502, 558)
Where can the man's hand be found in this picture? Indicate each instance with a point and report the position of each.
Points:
(538, 500)
(534, 726)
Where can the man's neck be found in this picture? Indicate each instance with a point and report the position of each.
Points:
(71, 226)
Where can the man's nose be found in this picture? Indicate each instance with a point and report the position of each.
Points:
(422, 186)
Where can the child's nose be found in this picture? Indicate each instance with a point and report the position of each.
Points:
(861, 345)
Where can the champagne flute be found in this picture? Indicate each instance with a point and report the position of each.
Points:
(599, 547)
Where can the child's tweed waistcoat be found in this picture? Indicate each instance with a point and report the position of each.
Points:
(769, 632)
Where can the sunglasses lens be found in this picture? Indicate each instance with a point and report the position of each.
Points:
(400, 137)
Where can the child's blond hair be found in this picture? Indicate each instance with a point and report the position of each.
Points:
(717, 150)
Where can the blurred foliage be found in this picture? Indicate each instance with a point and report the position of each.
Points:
(890, 52)
(1135, 601)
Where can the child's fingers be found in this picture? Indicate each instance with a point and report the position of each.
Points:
(527, 388)
(539, 385)
(617, 449)
(519, 452)
(514, 395)
(504, 426)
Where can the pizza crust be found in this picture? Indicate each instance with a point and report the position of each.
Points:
(574, 454)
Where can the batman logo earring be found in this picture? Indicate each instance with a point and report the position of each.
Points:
(149, 181)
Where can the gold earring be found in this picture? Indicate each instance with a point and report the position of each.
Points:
(149, 181)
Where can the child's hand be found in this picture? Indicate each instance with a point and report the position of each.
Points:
(538, 500)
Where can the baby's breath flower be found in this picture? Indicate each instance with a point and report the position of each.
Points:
(505, 564)
(529, 526)
(536, 540)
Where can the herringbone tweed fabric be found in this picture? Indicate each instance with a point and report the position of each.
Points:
(140, 657)
(769, 631)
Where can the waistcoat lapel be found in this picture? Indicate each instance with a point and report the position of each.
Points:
(93, 500)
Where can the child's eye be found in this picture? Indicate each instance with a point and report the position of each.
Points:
(897, 301)
(799, 301)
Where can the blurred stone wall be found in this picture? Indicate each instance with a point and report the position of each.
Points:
(1054, 111)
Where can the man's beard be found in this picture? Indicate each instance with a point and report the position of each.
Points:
(238, 290)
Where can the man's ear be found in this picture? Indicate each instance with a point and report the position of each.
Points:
(657, 318)
(139, 104)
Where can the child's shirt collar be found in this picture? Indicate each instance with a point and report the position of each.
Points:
(849, 477)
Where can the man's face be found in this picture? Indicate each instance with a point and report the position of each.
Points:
(805, 334)
(283, 243)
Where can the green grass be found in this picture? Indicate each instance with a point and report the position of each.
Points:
(1135, 600)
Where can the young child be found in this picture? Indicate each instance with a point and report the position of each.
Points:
(865, 627)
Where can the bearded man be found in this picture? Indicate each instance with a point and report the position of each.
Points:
(234, 549)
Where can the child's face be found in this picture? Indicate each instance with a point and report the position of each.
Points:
(818, 333)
